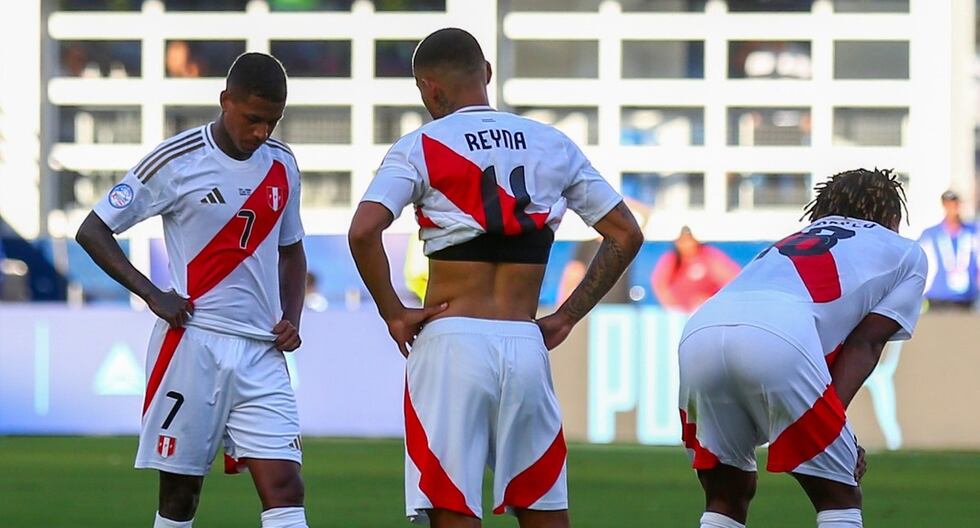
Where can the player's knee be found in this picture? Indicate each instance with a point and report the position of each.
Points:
(286, 491)
(179, 496)
(179, 502)
(732, 500)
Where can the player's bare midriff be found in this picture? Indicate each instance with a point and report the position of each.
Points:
(485, 290)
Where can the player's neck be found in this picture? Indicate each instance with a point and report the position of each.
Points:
(224, 141)
(952, 224)
(464, 100)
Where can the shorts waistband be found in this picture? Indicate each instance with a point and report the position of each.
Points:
(472, 325)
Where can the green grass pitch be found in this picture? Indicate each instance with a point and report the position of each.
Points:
(57, 482)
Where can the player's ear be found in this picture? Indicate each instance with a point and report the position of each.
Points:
(489, 72)
(225, 100)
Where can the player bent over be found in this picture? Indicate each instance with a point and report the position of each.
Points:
(489, 188)
(777, 355)
(229, 198)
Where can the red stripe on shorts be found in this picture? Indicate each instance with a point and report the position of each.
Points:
(810, 435)
(703, 459)
(170, 341)
(531, 484)
(832, 356)
(233, 466)
(434, 481)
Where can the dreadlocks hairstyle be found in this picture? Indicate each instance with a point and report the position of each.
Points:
(875, 195)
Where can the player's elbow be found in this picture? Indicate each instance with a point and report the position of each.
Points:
(629, 239)
(89, 231)
(634, 240)
(361, 235)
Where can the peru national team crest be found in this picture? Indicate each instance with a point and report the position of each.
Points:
(274, 194)
(166, 445)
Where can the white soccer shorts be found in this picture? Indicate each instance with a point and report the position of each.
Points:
(204, 388)
(742, 386)
(479, 394)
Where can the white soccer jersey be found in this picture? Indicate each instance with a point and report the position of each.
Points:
(482, 171)
(826, 277)
(223, 223)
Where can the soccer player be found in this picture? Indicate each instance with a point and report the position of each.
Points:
(489, 188)
(229, 197)
(777, 355)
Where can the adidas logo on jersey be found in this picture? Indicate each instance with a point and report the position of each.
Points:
(214, 197)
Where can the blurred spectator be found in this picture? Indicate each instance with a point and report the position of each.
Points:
(116, 59)
(689, 274)
(769, 59)
(75, 62)
(180, 62)
(3, 257)
(416, 267)
(951, 249)
(314, 300)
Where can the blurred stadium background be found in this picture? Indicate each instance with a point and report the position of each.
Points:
(718, 115)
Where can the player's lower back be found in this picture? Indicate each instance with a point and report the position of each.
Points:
(485, 290)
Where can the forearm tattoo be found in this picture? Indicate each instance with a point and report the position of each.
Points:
(606, 267)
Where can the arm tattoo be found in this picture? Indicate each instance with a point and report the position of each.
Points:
(606, 267)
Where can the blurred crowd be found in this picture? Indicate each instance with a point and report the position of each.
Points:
(680, 278)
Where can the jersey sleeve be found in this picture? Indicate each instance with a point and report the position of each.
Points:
(904, 302)
(587, 192)
(136, 198)
(291, 230)
(397, 182)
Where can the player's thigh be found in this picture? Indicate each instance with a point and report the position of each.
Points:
(808, 430)
(263, 421)
(451, 395)
(184, 414)
(529, 452)
(717, 425)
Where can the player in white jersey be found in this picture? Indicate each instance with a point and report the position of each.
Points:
(777, 355)
(229, 198)
(489, 188)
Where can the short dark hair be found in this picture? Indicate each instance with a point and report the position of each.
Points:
(257, 74)
(451, 48)
(875, 195)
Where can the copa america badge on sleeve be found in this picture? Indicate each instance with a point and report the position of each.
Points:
(121, 195)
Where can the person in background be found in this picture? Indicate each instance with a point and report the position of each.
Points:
(180, 60)
(2, 256)
(416, 267)
(313, 299)
(690, 273)
(951, 251)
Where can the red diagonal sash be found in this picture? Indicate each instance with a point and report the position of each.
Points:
(225, 252)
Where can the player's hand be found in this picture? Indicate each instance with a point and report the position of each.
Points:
(408, 323)
(862, 465)
(555, 328)
(287, 336)
(171, 307)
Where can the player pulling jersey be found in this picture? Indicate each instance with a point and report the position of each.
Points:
(223, 221)
(487, 186)
(221, 225)
(754, 359)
